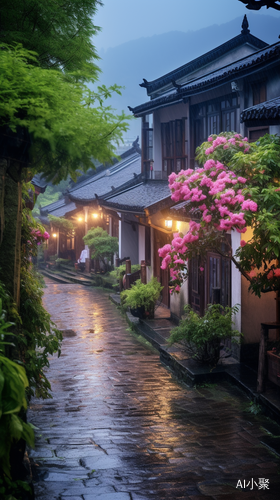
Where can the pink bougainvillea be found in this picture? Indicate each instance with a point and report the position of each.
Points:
(39, 236)
(216, 198)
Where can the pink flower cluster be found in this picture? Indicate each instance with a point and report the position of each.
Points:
(38, 236)
(214, 194)
(217, 192)
(236, 140)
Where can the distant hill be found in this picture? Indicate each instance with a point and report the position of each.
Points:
(152, 57)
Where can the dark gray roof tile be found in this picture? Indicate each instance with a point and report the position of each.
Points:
(268, 110)
(111, 179)
(139, 197)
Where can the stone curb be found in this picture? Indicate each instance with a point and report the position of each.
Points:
(192, 373)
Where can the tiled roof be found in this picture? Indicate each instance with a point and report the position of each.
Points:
(64, 209)
(244, 38)
(39, 181)
(139, 197)
(99, 183)
(238, 69)
(125, 170)
(59, 208)
(268, 110)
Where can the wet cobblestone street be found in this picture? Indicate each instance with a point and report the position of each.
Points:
(120, 427)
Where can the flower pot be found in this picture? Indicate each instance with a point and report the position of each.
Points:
(273, 373)
(138, 312)
(150, 314)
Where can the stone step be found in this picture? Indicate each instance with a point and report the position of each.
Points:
(55, 277)
(67, 278)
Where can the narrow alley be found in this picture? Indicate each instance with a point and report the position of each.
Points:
(120, 427)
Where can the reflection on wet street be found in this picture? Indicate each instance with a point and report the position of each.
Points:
(120, 427)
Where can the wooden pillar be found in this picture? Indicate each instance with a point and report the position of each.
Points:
(143, 272)
(57, 243)
(128, 274)
(88, 265)
(262, 358)
(128, 266)
(86, 209)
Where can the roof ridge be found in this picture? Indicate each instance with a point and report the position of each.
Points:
(244, 36)
(191, 88)
(268, 47)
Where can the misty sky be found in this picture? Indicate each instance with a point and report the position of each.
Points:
(124, 20)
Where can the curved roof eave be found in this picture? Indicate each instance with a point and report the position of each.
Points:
(244, 67)
(241, 39)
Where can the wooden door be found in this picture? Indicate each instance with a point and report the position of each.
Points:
(196, 287)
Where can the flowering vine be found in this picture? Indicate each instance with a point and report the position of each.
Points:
(228, 193)
(33, 234)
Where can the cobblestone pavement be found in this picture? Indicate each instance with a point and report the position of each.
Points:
(120, 427)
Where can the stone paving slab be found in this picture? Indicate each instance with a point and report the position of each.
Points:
(120, 426)
(157, 332)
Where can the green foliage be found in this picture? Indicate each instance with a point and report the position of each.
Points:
(4, 326)
(64, 225)
(13, 384)
(261, 167)
(101, 244)
(13, 490)
(61, 32)
(38, 337)
(201, 335)
(141, 294)
(51, 194)
(67, 262)
(118, 272)
(220, 154)
(254, 408)
(66, 127)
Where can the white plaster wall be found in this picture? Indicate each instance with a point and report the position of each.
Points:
(275, 129)
(174, 112)
(236, 280)
(128, 246)
(157, 142)
(120, 237)
(178, 301)
(141, 239)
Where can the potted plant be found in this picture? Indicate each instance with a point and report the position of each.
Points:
(202, 335)
(141, 298)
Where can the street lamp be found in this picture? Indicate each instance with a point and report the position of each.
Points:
(168, 223)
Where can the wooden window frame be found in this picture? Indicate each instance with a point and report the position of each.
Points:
(264, 129)
(259, 92)
(203, 114)
(174, 146)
